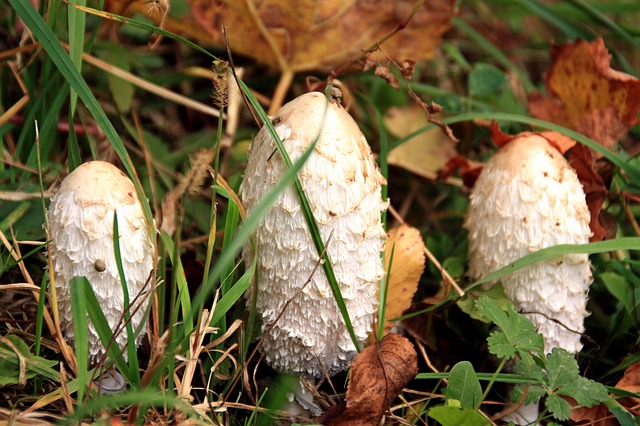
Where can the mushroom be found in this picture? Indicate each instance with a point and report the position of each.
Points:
(343, 186)
(81, 229)
(527, 198)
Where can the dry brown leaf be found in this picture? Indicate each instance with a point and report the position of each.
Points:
(377, 376)
(586, 95)
(310, 34)
(406, 270)
(600, 414)
(423, 154)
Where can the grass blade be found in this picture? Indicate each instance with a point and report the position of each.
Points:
(80, 332)
(131, 340)
(627, 243)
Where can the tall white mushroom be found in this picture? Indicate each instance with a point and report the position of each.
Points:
(527, 198)
(81, 228)
(342, 183)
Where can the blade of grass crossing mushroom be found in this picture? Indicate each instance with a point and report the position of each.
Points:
(245, 231)
(105, 333)
(80, 333)
(51, 44)
(625, 243)
(308, 213)
(382, 306)
(132, 353)
(382, 159)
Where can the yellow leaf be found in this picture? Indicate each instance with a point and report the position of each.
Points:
(406, 270)
(424, 154)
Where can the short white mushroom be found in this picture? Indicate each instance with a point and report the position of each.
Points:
(343, 184)
(81, 229)
(527, 198)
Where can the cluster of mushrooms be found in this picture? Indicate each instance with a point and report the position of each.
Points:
(526, 198)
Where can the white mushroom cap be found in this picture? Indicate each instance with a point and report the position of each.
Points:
(342, 182)
(81, 228)
(527, 198)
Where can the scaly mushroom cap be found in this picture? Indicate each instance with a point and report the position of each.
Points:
(527, 198)
(81, 228)
(342, 182)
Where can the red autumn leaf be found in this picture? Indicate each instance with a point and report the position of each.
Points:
(377, 376)
(581, 159)
(586, 95)
(561, 142)
(469, 170)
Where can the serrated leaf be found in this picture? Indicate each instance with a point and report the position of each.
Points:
(586, 392)
(468, 302)
(464, 386)
(562, 368)
(534, 393)
(559, 408)
(518, 333)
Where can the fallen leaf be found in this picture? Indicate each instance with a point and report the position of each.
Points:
(311, 34)
(377, 376)
(586, 95)
(407, 267)
(424, 154)
(581, 159)
(561, 142)
(469, 170)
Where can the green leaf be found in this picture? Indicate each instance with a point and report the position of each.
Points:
(80, 332)
(10, 362)
(468, 302)
(562, 368)
(453, 416)
(560, 408)
(622, 414)
(121, 90)
(586, 392)
(619, 288)
(464, 386)
(485, 79)
(518, 334)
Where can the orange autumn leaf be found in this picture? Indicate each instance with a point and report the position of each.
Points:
(312, 34)
(586, 95)
(406, 270)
